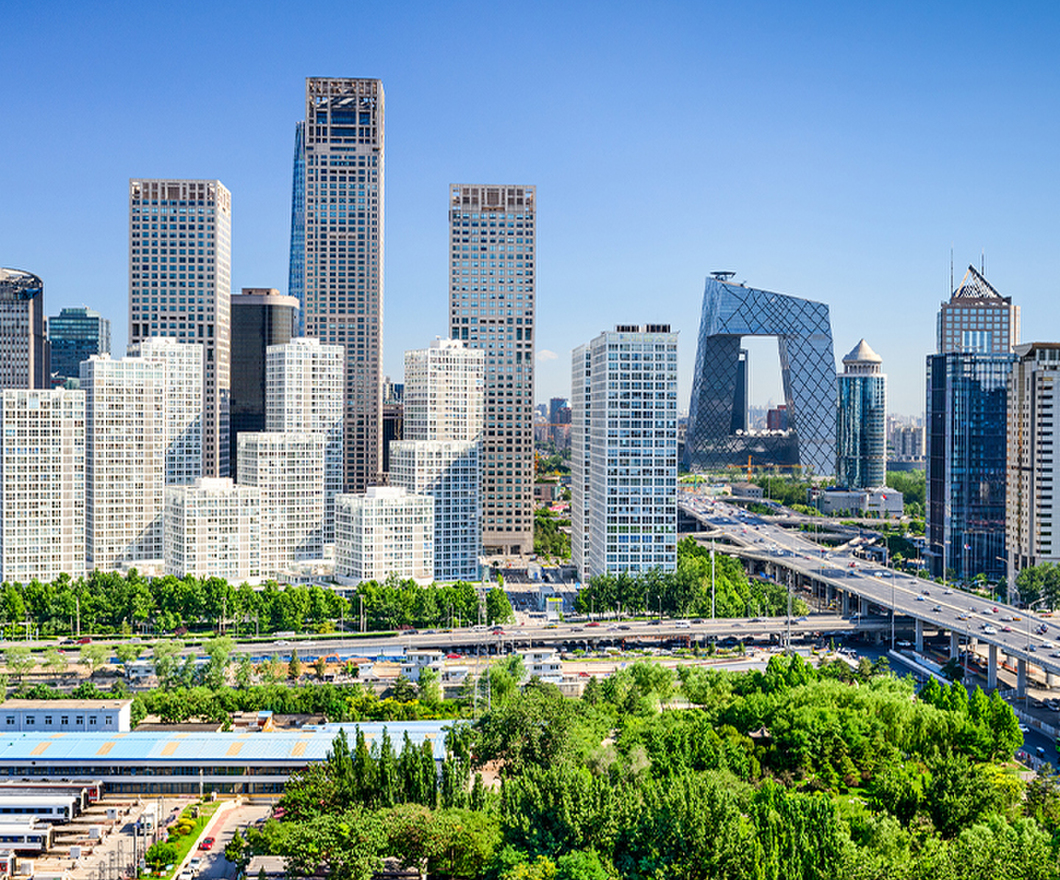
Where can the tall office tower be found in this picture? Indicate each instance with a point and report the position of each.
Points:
(384, 532)
(180, 285)
(261, 317)
(296, 266)
(42, 485)
(1033, 463)
(967, 431)
(341, 165)
(581, 423)
(303, 393)
(492, 231)
(861, 421)
(75, 335)
(23, 344)
(977, 319)
(393, 417)
(288, 468)
(125, 459)
(183, 362)
(441, 453)
(628, 517)
(213, 529)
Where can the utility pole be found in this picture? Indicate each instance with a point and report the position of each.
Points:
(712, 591)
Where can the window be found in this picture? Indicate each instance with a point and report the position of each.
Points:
(11, 720)
(29, 720)
(64, 720)
(80, 719)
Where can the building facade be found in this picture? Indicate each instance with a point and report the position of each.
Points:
(180, 286)
(861, 421)
(213, 529)
(977, 319)
(184, 368)
(125, 459)
(42, 484)
(24, 356)
(296, 266)
(715, 437)
(288, 468)
(339, 204)
(443, 392)
(74, 335)
(492, 282)
(303, 393)
(1033, 465)
(384, 532)
(630, 510)
(261, 317)
(581, 427)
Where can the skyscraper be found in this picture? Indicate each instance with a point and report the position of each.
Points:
(303, 382)
(861, 421)
(42, 484)
(180, 285)
(626, 517)
(1033, 463)
(296, 267)
(492, 280)
(260, 317)
(23, 345)
(967, 427)
(341, 166)
(75, 335)
(441, 453)
(213, 529)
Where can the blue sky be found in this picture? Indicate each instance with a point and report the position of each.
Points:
(834, 151)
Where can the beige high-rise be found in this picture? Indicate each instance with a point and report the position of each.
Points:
(180, 285)
(492, 259)
(343, 228)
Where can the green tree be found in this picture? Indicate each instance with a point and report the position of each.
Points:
(55, 661)
(294, 667)
(160, 854)
(19, 660)
(166, 656)
(498, 608)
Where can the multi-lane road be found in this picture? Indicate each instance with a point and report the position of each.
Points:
(1017, 632)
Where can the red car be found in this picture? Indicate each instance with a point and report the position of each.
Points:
(207, 843)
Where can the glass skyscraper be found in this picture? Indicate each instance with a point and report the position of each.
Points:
(296, 269)
(861, 421)
(716, 438)
(75, 335)
(23, 342)
(341, 201)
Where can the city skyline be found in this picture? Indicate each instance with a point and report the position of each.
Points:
(830, 169)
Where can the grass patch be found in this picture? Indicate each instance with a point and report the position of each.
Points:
(198, 816)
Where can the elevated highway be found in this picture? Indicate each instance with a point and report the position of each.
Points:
(854, 586)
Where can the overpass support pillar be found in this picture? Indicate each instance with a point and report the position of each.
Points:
(1021, 678)
(991, 668)
(955, 645)
(1052, 679)
(848, 604)
(863, 606)
(919, 641)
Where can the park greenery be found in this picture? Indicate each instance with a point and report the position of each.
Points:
(687, 591)
(795, 772)
(550, 539)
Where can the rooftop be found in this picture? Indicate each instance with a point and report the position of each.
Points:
(64, 704)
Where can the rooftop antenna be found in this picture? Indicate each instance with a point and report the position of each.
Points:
(982, 262)
(723, 275)
(951, 267)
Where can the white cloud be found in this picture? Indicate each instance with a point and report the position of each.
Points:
(546, 355)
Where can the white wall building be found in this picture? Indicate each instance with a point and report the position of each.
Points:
(1033, 465)
(492, 281)
(42, 716)
(42, 484)
(441, 453)
(180, 285)
(213, 529)
(303, 392)
(581, 417)
(288, 468)
(630, 508)
(543, 664)
(384, 532)
(125, 459)
(184, 412)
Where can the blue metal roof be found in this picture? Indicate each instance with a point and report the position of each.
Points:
(210, 749)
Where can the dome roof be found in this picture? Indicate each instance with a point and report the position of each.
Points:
(862, 353)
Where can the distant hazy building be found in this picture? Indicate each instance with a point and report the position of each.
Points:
(384, 532)
(905, 442)
(183, 363)
(967, 431)
(180, 285)
(42, 484)
(24, 357)
(630, 508)
(213, 529)
(288, 468)
(1033, 462)
(75, 335)
(861, 420)
(441, 453)
(261, 317)
(125, 459)
(303, 393)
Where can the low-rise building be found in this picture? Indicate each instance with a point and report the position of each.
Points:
(40, 716)
(543, 664)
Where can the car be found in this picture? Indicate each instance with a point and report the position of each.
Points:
(926, 592)
(920, 598)
(186, 874)
(947, 592)
(937, 608)
(962, 616)
(84, 641)
(624, 627)
(1032, 648)
(207, 844)
(1024, 728)
(989, 630)
(1007, 617)
(195, 863)
(973, 609)
(1006, 629)
(593, 623)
